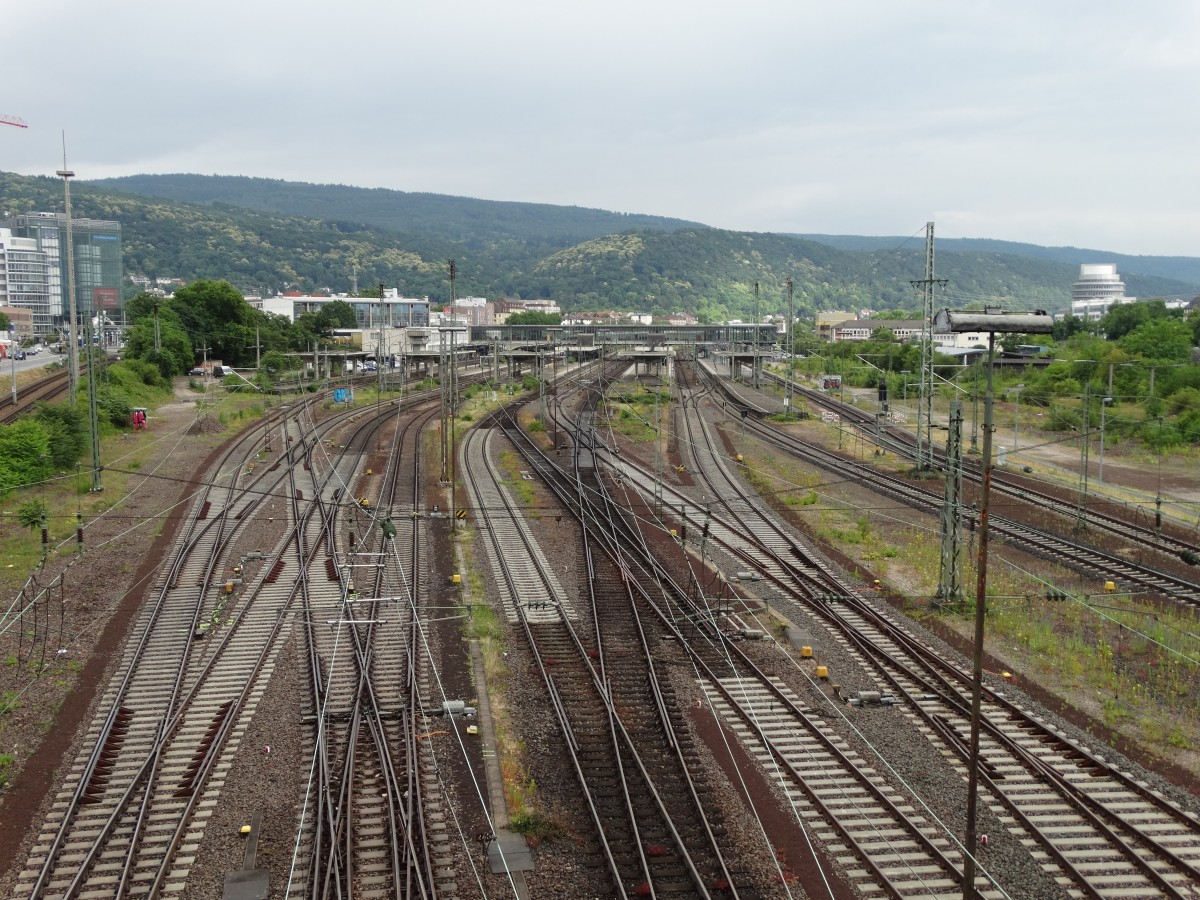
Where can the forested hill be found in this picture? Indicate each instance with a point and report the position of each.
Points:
(475, 222)
(705, 271)
(1146, 268)
(712, 272)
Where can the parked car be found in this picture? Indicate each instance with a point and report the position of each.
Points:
(197, 371)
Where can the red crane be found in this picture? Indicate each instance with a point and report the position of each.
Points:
(12, 120)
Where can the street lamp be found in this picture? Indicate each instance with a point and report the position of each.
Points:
(72, 308)
(994, 322)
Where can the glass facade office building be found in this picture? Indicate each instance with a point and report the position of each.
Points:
(98, 267)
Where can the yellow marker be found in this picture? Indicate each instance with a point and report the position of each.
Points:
(456, 579)
(806, 651)
(245, 829)
(1110, 586)
(822, 672)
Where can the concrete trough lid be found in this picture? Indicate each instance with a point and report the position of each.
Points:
(508, 852)
(247, 884)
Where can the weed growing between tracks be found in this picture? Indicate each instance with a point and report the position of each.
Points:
(485, 626)
(1131, 668)
(1134, 661)
(631, 413)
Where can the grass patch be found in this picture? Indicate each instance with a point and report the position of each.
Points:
(535, 827)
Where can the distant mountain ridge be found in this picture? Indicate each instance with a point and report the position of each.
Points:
(681, 268)
(438, 216)
(1178, 268)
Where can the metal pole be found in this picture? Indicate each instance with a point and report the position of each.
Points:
(1085, 446)
(975, 413)
(1103, 407)
(977, 657)
(72, 324)
(787, 331)
(1158, 494)
(93, 419)
(1017, 420)
(754, 379)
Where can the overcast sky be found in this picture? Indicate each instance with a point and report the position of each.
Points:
(1060, 123)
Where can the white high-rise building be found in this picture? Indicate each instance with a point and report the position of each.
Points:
(1098, 289)
(25, 279)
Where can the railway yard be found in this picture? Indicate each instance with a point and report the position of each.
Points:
(646, 642)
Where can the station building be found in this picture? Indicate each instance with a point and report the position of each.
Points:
(393, 311)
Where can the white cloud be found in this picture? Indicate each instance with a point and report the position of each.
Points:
(1062, 123)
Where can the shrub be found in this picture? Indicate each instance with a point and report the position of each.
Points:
(24, 453)
(67, 429)
(115, 403)
(31, 513)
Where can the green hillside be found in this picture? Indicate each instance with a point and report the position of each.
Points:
(476, 223)
(1145, 276)
(683, 268)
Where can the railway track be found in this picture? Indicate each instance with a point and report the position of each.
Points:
(1097, 563)
(653, 834)
(364, 829)
(1113, 852)
(1164, 538)
(135, 796)
(49, 388)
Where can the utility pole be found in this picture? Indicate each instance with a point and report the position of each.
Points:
(93, 417)
(754, 368)
(925, 407)
(379, 349)
(787, 334)
(1080, 513)
(73, 311)
(949, 583)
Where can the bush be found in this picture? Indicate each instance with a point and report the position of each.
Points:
(1183, 400)
(146, 372)
(115, 404)
(67, 429)
(24, 453)
(31, 514)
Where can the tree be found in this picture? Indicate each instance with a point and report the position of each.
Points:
(31, 514)
(338, 314)
(24, 449)
(213, 312)
(176, 356)
(273, 362)
(1067, 326)
(1159, 339)
(534, 318)
(67, 431)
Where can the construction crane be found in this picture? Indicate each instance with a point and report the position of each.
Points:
(12, 120)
